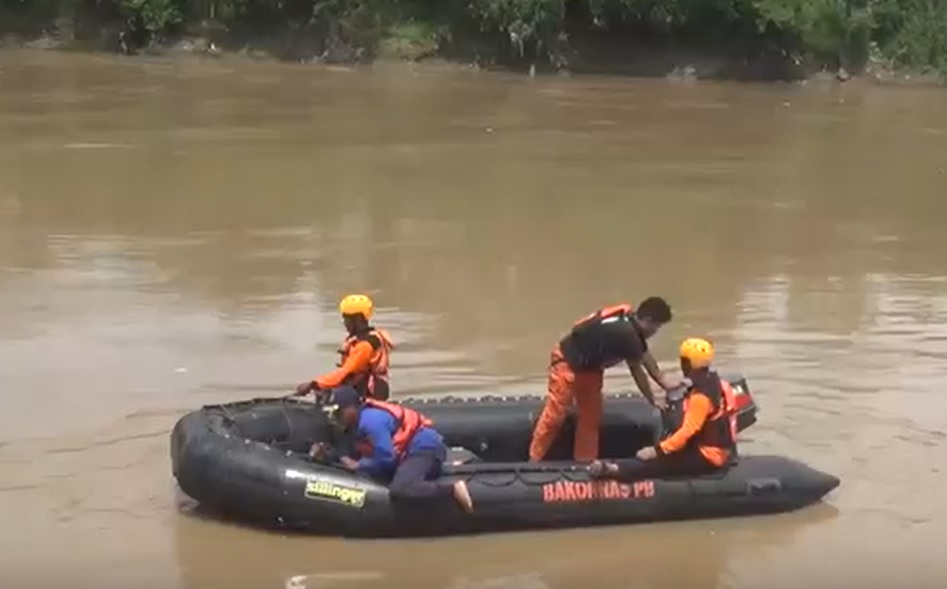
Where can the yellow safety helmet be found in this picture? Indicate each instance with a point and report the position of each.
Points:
(698, 352)
(357, 304)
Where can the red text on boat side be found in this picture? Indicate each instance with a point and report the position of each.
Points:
(570, 491)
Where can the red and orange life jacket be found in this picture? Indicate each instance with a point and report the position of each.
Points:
(610, 312)
(375, 383)
(720, 430)
(408, 423)
(590, 345)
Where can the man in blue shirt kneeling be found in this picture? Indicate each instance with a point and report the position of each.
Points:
(400, 443)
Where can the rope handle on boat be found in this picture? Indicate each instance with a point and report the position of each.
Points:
(476, 467)
(538, 478)
(521, 473)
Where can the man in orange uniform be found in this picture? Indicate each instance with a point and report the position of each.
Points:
(365, 354)
(705, 441)
(577, 368)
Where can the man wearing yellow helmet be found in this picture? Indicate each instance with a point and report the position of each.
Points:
(577, 367)
(365, 354)
(705, 441)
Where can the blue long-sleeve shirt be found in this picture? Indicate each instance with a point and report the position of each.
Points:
(377, 427)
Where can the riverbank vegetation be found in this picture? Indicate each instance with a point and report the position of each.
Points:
(724, 38)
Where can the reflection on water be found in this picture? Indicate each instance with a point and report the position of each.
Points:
(179, 233)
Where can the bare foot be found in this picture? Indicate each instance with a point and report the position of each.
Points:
(462, 495)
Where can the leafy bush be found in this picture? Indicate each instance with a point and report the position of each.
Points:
(909, 33)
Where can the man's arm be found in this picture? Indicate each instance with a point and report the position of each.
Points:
(357, 361)
(383, 450)
(698, 410)
(641, 379)
(651, 366)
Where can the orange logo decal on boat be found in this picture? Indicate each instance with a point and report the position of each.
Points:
(569, 491)
(643, 489)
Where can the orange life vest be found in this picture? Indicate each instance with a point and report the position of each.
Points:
(720, 430)
(602, 314)
(592, 345)
(374, 383)
(407, 423)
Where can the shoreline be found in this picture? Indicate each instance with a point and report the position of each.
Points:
(689, 65)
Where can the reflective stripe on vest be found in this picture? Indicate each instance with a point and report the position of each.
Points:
(377, 376)
(603, 314)
(407, 423)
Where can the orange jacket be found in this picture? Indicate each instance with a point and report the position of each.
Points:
(708, 425)
(365, 360)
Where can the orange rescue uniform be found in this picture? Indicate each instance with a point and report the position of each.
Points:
(704, 442)
(709, 424)
(577, 367)
(364, 366)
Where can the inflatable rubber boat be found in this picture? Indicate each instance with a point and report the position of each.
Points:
(249, 460)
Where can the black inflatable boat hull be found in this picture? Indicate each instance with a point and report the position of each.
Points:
(552, 496)
(247, 460)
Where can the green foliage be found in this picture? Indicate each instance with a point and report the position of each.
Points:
(909, 33)
(410, 40)
(520, 26)
(912, 32)
(819, 27)
(524, 18)
(154, 17)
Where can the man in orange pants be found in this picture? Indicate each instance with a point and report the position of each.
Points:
(577, 367)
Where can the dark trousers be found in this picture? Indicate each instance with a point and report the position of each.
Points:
(416, 476)
(684, 463)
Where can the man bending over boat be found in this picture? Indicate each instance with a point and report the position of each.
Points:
(577, 367)
(365, 354)
(705, 441)
(398, 443)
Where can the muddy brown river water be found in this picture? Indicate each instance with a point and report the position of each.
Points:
(178, 233)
